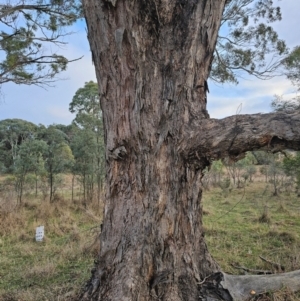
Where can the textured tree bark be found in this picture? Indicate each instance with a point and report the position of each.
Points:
(235, 135)
(152, 60)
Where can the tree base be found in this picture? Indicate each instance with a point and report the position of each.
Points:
(224, 287)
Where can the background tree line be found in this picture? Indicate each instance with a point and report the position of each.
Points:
(281, 171)
(37, 155)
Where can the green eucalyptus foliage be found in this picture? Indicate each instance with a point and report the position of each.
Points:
(29, 159)
(40, 154)
(13, 132)
(280, 104)
(88, 143)
(247, 42)
(84, 147)
(292, 65)
(86, 105)
(31, 32)
(262, 157)
(58, 156)
(291, 165)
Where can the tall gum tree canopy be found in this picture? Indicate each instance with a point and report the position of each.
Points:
(152, 60)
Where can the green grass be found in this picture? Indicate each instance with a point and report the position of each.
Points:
(249, 223)
(240, 226)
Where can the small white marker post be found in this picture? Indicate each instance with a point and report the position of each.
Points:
(39, 233)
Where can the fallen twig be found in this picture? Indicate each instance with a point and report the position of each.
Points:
(277, 266)
(257, 272)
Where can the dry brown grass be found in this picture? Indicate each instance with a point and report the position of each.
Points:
(56, 268)
(282, 295)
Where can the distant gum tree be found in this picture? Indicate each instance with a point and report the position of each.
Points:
(13, 132)
(58, 156)
(291, 166)
(88, 145)
(29, 159)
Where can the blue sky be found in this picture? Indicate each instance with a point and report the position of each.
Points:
(48, 106)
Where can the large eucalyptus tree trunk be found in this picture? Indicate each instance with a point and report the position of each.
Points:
(152, 60)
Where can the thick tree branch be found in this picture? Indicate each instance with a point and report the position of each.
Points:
(215, 139)
(225, 287)
(246, 286)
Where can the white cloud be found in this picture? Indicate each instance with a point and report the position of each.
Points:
(59, 113)
(276, 85)
(250, 96)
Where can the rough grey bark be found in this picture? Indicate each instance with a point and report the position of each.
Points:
(152, 60)
(233, 136)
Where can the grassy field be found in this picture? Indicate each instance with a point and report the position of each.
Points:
(249, 223)
(240, 225)
(56, 268)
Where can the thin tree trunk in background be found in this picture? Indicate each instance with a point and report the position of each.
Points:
(21, 188)
(51, 182)
(36, 181)
(73, 179)
(84, 189)
(152, 61)
(51, 187)
(98, 167)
